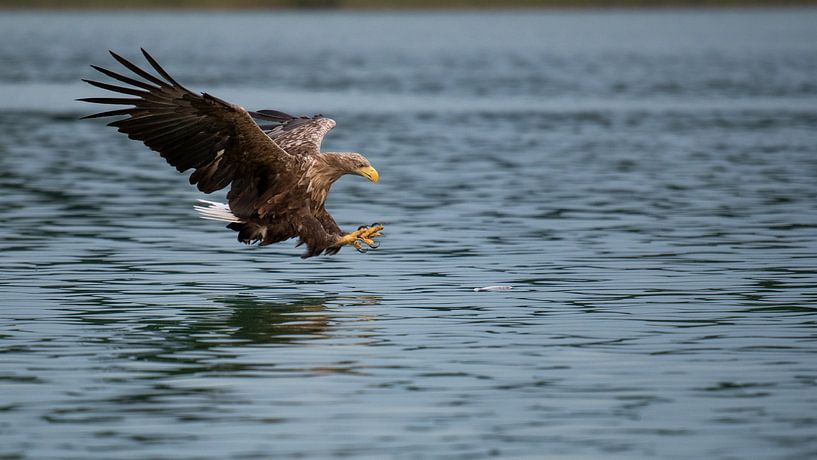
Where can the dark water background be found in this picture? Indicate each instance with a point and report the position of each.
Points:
(647, 182)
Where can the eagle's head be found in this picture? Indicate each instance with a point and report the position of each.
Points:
(356, 163)
(330, 166)
(336, 164)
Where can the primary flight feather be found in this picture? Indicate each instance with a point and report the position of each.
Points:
(277, 174)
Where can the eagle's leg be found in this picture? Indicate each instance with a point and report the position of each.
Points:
(363, 234)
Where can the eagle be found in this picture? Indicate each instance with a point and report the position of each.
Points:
(278, 176)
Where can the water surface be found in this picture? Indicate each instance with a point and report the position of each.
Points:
(646, 181)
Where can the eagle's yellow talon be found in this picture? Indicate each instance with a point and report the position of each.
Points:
(363, 235)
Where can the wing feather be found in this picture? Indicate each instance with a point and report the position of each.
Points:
(161, 71)
(110, 113)
(124, 79)
(115, 88)
(217, 139)
(296, 135)
(135, 69)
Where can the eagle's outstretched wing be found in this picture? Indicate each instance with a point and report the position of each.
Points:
(217, 139)
(296, 135)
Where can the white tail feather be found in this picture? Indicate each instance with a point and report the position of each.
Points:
(216, 211)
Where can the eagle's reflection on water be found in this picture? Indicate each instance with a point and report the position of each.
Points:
(255, 321)
(247, 319)
(206, 336)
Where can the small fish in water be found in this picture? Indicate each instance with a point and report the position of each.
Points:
(493, 288)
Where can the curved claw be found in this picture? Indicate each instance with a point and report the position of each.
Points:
(359, 247)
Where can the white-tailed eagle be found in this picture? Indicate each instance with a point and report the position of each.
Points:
(277, 174)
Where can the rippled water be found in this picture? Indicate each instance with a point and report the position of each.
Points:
(647, 183)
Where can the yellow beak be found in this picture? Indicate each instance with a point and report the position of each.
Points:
(369, 173)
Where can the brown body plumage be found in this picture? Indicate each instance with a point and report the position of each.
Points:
(279, 177)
